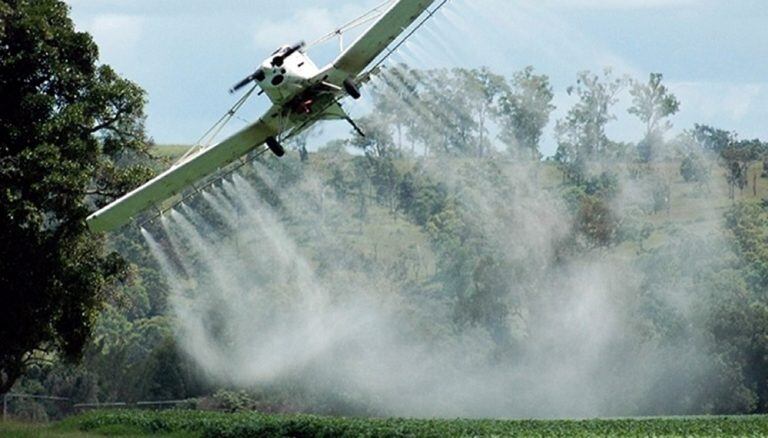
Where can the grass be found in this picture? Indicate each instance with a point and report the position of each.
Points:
(72, 429)
(170, 152)
(208, 424)
(13, 429)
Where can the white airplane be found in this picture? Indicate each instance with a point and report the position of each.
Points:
(301, 94)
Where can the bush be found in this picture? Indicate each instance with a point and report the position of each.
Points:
(693, 169)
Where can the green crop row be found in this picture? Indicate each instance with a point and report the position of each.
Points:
(209, 424)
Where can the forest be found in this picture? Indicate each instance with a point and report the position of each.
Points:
(438, 266)
(446, 214)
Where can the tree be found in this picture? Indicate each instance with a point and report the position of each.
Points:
(596, 221)
(694, 169)
(581, 135)
(738, 157)
(712, 139)
(483, 302)
(524, 111)
(300, 141)
(482, 89)
(396, 95)
(448, 125)
(71, 138)
(378, 141)
(446, 111)
(652, 104)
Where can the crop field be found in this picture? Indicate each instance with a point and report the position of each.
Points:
(207, 424)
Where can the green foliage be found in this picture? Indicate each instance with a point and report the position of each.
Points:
(749, 225)
(694, 169)
(459, 208)
(482, 89)
(242, 425)
(713, 139)
(234, 401)
(524, 110)
(605, 185)
(738, 157)
(597, 221)
(581, 134)
(450, 112)
(661, 197)
(652, 104)
(634, 228)
(378, 141)
(71, 136)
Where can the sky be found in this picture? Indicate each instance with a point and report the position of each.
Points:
(187, 53)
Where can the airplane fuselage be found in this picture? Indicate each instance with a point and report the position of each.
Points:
(300, 91)
(284, 77)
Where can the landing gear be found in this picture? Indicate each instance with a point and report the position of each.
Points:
(275, 147)
(351, 88)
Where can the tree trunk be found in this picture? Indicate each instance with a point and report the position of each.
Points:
(481, 150)
(754, 185)
(8, 378)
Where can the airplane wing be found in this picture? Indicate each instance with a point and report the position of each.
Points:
(380, 35)
(174, 180)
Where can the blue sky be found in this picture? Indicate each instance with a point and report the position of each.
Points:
(187, 53)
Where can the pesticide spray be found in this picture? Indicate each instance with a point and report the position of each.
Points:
(269, 286)
(255, 306)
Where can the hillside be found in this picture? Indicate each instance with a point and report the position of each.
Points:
(433, 270)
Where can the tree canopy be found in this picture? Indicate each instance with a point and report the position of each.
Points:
(71, 137)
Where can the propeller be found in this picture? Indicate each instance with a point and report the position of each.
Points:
(258, 75)
(279, 59)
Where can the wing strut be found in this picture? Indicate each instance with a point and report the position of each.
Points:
(393, 49)
(357, 22)
(210, 135)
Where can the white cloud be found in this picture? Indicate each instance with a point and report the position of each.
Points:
(117, 35)
(309, 23)
(617, 4)
(724, 101)
(528, 30)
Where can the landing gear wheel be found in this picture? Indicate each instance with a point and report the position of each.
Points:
(275, 147)
(351, 88)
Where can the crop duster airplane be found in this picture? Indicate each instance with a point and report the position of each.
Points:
(301, 94)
